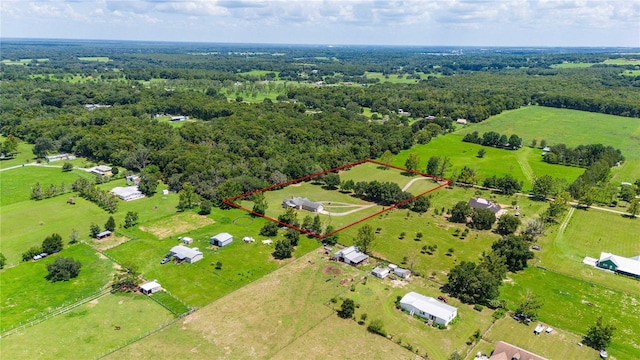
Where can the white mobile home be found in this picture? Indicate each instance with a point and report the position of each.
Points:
(428, 308)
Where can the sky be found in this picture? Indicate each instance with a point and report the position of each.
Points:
(548, 23)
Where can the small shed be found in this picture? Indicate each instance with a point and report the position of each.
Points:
(103, 234)
(402, 273)
(187, 240)
(380, 272)
(150, 287)
(222, 239)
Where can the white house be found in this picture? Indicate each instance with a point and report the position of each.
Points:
(619, 264)
(187, 240)
(351, 255)
(127, 193)
(462, 121)
(428, 308)
(102, 170)
(222, 239)
(402, 273)
(150, 287)
(189, 255)
(380, 272)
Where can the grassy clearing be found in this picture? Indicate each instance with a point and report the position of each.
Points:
(24, 155)
(268, 319)
(574, 305)
(176, 224)
(558, 344)
(392, 78)
(259, 73)
(559, 126)
(587, 234)
(26, 293)
(631, 73)
(101, 59)
(497, 162)
(572, 65)
(16, 183)
(241, 263)
(170, 303)
(88, 330)
(376, 299)
(622, 61)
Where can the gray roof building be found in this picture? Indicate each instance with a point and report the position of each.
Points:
(302, 204)
(480, 203)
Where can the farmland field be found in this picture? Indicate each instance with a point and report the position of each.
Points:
(287, 309)
(574, 305)
(27, 294)
(559, 126)
(101, 59)
(23, 156)
(89, 330)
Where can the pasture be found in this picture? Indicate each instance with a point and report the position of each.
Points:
(89, 330)
(241, 263)
(17, 183)
(588, 233)
(26, 294)
(100, 59)
(376, 298)
(24, 155)
(278, 316)
(571, 127)
(558, 344)
(523, 164)
(574, 305)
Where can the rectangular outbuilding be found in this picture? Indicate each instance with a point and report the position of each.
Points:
(103, 235)
(351, 255)
(150, 287)
(184, 253)
(380, 272)
(222, 239)
(428, 308)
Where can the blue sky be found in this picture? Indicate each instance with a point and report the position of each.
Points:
(381, 22)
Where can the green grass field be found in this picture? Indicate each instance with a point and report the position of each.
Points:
(622, 61)
(523, 164)
(26, 293)
(377, 297)
(241, 263)
(17, 183)
(393, 78)
(588, 233)
(89, 330)
(280, 316)
(560, 126)
(572, 65)
(101, 59)
(574, 304)
(23, 61)
(24, 155)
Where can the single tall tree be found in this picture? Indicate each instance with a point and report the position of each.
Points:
(365, 238)
(110, 224)
(599, 335)
(529, 306)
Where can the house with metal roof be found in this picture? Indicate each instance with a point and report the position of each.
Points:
(302, 204)
(380, 272)
(428, 308)
(620, 265)
(103, 234)
(402, 273)
(506, 351)
(222, 239)
(480, 203)
(351, 255)
(127, 193)
(184, 253)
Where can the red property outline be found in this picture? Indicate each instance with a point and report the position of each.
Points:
(229, 201)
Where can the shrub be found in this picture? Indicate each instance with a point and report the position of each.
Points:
(478, 307)
(377, 327)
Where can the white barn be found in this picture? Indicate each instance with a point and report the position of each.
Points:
(428, 308)
(351, 255)
(380, 272)
(189, 255)
(150, 287)
(222, 239)
(127, 193)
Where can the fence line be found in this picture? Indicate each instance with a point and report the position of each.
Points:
(59, 310)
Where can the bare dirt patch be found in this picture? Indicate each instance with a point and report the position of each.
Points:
(177, 224)
(92, 303)
(108, 243)
(331, 270)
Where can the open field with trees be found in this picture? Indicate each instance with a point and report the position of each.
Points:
(275, 325)
(27, 294)
(16, 184)
(89, 330)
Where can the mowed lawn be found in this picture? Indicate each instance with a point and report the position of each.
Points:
(268, 319)
(571, 127)
(241, 263)
(558, 344)
(26, 293)
(377, 297)
(23, 156)
(523, 164)
(16, 184)
(89, 330)
(574, 305)
(588, 233)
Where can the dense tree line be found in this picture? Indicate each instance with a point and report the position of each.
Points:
(492, 138)
(583, 155)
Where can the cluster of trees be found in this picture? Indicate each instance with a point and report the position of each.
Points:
(50, 191)
(583, 155)
(384, 193)
(127, 278)
(9, 147)
(507, 184)
(284, 248)
(492, 138)
(63, 269)
(479, 283)
(102, 198)
(51, 244)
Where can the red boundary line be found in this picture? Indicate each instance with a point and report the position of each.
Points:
(229, 201)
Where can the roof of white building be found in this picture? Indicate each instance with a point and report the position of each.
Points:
(627, 265)
(150, 285)
(182, 252)
(429, 305)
